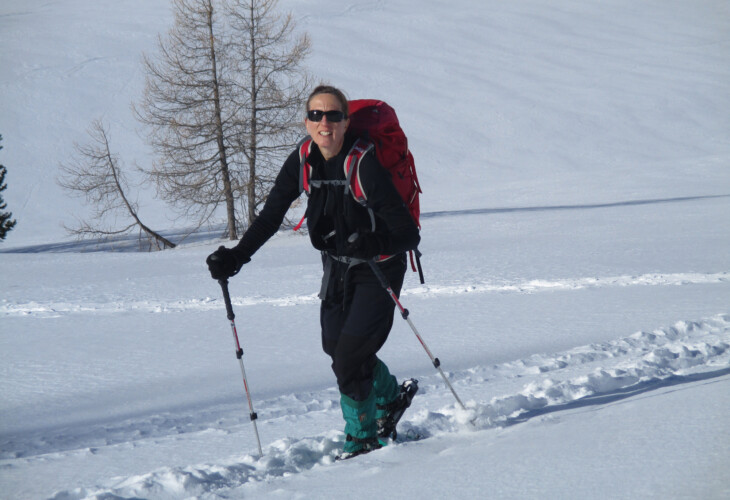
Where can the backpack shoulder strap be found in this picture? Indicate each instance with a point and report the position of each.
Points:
(357, 152)
(305, 169)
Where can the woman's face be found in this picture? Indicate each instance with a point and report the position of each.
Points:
(329, 136)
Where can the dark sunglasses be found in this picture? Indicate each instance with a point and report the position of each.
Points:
(316, 115)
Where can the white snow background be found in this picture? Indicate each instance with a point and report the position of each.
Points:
(575, 162)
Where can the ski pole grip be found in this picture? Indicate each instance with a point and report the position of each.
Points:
(227, 299)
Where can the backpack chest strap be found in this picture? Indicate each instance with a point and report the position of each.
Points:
(351, 166)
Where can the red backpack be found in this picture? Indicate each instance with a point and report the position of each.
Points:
(376, 125)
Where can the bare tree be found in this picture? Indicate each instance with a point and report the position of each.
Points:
(271, 92)
(187, 107)
(214, 116)
(94, 173)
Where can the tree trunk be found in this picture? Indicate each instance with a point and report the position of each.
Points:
(225, 172)
(153, 234)
(251, 194)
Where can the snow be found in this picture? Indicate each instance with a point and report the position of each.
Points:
(576, 246)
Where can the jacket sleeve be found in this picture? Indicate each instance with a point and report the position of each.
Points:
(268, 222)
(396, 230)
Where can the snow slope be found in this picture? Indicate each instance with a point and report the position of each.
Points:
(524, 104)
(576, 240)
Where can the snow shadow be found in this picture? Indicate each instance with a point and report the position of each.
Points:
(545, 208)
(130, 242)
(616, 395)
(123, 243)
(133, 243)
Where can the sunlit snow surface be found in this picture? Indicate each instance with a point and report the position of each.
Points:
(574, 159)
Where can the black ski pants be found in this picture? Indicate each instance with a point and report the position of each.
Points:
(356, 316)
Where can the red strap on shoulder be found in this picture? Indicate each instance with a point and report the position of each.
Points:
(305, 170)
(352, 168)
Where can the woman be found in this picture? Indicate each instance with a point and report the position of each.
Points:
(356, 314)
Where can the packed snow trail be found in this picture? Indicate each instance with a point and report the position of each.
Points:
(596, 374)
(123, 304)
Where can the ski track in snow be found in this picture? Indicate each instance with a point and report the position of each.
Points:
(52, 309)
(595, 374)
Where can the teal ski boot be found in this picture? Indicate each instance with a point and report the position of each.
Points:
(360, 426)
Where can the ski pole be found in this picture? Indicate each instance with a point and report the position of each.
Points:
(239, 355)
(405, 314)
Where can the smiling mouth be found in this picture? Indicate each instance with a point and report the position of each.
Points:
(325, 133)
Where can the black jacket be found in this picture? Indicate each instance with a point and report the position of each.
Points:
(332, 214)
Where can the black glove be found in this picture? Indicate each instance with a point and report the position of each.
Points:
(225, 262)
(363, 245)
